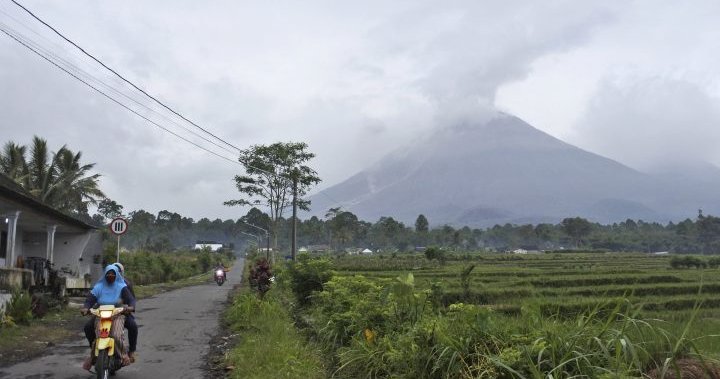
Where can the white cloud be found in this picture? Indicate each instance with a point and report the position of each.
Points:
(354, 80)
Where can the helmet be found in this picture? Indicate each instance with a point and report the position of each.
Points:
(120, 267)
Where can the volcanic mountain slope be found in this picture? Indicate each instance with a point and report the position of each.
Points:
(503, 170)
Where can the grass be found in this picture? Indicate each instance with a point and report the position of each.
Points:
(269, 345)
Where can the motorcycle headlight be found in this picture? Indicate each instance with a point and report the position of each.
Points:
(106, 314)
(219, 272)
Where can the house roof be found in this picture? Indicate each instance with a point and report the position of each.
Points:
(14, 192)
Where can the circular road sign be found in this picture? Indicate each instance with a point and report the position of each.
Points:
(118, 226)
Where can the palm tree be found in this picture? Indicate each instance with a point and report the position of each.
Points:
(60, 180)
(76, 188)
(12, 162)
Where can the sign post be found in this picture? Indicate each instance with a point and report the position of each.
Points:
(118, 226)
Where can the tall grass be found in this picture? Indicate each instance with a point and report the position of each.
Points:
(378, 327)
(269, 345)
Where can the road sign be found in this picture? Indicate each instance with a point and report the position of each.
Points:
(118, 226)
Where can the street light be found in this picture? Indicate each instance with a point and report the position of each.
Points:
(267, 235)
(257, 239)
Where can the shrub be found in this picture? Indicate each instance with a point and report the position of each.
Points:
(465, 279)
(308, 275)
(20, 307)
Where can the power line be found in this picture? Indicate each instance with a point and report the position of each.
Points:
(18, 40)
(80, 72)
(122, 77)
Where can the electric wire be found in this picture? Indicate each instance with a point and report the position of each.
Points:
(80, 72)
(18, 40)
(122, 77)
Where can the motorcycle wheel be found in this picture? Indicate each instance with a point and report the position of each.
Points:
(220, 282)
(102, 365)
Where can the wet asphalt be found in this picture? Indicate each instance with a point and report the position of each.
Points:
(175, 332)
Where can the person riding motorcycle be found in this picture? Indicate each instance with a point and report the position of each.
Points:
(130, 323)
(125, 278)
(111, 290)
(221, 266)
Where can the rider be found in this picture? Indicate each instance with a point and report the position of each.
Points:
(111, 290)
(130, 323)
(221, 266)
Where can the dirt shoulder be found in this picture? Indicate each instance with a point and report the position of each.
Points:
(23, 342)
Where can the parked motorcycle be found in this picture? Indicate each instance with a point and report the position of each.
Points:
(219, 277)
(110, 348)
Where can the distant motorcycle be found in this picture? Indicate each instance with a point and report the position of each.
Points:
(219, 277)
(109, 348)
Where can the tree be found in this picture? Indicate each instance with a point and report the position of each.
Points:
(576, 228)
(58, 180)
(271, 171)
(421, 224)
(343, 226)
(708, 228)
(109, 208)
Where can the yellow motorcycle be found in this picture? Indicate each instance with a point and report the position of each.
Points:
(109, 350)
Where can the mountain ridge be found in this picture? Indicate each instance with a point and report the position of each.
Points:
(504, 170)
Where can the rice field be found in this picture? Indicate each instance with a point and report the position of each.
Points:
(565, 285)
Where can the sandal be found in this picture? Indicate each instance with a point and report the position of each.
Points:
(87, 364)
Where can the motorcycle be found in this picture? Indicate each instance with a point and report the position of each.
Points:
(109, 345)
(219, 277)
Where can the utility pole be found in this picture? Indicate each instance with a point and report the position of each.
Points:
(294, 223)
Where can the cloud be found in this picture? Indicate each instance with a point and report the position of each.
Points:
(651, 123)
(355, 81)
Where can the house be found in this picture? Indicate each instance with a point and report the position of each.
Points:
(35, 237)
(366, 251)
(212, 245)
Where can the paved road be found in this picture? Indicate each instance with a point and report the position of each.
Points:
(175, 331)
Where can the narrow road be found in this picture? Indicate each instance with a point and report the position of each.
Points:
(175, 331)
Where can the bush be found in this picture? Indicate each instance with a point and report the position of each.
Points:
(308, 275)
(19, 309)
(687, 262)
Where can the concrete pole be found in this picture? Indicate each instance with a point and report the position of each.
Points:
(51, 242)
(12, 235)
(294, 222)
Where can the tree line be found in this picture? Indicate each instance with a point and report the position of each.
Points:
(274, 171)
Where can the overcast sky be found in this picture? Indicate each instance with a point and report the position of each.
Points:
(636, 81)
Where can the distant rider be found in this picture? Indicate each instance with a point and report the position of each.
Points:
(221, 266)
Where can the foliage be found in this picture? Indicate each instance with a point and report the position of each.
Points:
(19, 309)
(687, 262)
(272, 171)
(436, 253)
(270, 345)
(307, 275)
(57, 179)
(577, 228)
(109, 208)
(144, 267)
(465, 279)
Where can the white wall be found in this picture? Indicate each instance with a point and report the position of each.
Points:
(34, 244)
(68, 251)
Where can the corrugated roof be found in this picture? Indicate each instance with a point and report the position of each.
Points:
(13, 191)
